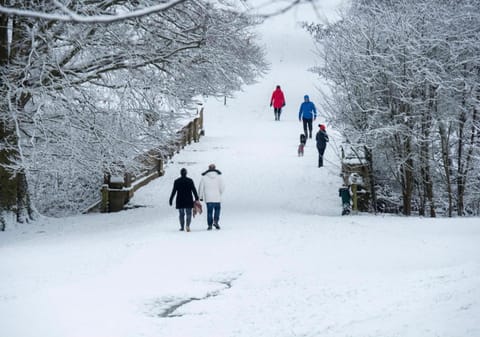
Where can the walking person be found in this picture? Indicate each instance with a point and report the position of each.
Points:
(278, 102)
(211, 189)
(307, 114)
(185, 190)
(322, 140)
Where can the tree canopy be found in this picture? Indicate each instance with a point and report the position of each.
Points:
(405, 93)
(83, 99)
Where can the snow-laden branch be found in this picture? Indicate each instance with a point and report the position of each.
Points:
(265, 10)
(273, 8)
(67, 15)
(88, 98)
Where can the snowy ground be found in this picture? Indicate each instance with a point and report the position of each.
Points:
(285, 263)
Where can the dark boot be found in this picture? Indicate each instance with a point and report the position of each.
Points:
(320, 161)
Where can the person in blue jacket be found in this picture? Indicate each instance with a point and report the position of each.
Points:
(307, 114)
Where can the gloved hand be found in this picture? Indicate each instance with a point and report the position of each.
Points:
(170, 202)
(270, 105)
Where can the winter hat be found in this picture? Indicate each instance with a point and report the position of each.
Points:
(306, 97)
(322, 127)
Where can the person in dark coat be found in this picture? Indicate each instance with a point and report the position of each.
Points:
(185, 190)
(278, 102)
(322, 140)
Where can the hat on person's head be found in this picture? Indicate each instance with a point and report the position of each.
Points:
(183, 172)
(322, 127)
(306, 97)
(278, 87)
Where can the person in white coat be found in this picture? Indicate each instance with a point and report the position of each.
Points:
(210, 190)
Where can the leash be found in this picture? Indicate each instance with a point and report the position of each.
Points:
(330, 170)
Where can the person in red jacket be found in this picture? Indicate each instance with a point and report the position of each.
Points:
(278, 102)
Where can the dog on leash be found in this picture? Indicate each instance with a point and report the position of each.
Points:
(301, 146)
(300, 149)
(197, 208)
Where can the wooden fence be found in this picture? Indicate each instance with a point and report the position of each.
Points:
(355, 173)
(116, 192)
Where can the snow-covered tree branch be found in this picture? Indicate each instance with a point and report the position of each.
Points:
(80, 100)
(61, 12)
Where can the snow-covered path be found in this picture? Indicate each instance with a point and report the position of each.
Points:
(284, 263)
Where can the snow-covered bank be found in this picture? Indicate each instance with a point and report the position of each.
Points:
(279, 273)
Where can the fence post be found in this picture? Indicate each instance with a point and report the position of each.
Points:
(195, 130)
(127, 178)
(190, 133)
(201, 120)
(160, 170)
(104, 203)
(184, 137)
(354, 197)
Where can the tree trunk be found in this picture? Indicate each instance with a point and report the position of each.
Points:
(14, 198)
(8, 182)
(425, 149)
(461, 170)
(447, 166)
(371, 177)
(408, 184)
(467, 138)
(406, 174)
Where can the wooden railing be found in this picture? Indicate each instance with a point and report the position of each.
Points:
(117, 191)
(355, 173)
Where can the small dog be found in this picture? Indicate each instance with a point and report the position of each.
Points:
(197, 208)
(300, 149)
(303, 141)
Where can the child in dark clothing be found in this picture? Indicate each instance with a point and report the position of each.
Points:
(322, 140)
(344, 193)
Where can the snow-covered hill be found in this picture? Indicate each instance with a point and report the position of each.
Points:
(285, 263)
